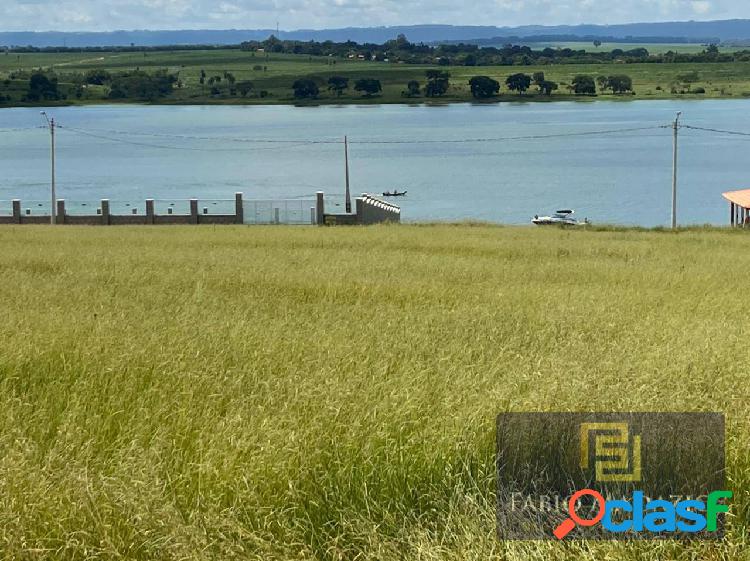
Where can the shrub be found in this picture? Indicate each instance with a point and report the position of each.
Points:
(141, 85)
(584, 85)
(483, 87)
(97, 77)
(42, 87)
(305, 88)
(368, 86)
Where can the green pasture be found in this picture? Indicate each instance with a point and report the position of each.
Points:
(278, 393)
(605, 47)
(651, 81)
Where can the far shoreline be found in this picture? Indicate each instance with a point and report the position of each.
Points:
(375, 101)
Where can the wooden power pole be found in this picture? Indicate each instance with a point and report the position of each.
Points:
(346, 168)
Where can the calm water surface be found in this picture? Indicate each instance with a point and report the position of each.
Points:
(621, 178)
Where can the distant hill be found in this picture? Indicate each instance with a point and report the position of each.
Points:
(691, 31)
(531, 39)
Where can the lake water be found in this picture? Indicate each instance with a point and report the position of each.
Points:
(141, 152)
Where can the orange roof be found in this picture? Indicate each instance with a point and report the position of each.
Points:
(741, 198)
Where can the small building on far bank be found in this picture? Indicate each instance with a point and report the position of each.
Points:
(739, 207)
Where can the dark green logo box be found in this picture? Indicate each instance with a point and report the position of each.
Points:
(543, 458)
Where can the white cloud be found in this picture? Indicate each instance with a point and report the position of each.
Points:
(701, 7)
(17, 15)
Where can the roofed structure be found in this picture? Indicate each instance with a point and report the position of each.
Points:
(739, 207)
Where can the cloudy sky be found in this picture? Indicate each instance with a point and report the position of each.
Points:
(102, 15)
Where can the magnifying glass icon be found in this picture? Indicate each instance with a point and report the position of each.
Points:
(570, 523)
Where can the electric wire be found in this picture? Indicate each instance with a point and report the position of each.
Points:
(720, 131)
(107, 134)
(207, 138)
(505, 138)
(164, 146)
(114, 136)
(21, 129)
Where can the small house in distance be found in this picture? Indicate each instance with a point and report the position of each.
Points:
(739, 207)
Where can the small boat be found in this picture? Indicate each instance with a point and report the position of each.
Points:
(394, 193)
(561, 217)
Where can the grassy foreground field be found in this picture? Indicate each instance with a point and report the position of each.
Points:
(297, 393)
(650, 81)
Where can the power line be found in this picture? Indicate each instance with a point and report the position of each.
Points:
(207, 138)
(720, 131)
(505, 138)
(123, 141)
(164, 146)
(101, 133)
(21, 129)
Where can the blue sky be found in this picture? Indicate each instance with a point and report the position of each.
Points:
(101, 15)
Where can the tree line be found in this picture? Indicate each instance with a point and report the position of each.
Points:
(482, 87)
(45, 85)
(401, 50)
(309, 88)
(40, 86)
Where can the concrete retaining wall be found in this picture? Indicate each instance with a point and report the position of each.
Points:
(369, 210)
(105, 218)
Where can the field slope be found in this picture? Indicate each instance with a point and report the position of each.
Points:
(274, 74)
(278, 393)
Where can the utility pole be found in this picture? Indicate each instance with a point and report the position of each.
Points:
(346, 164)
(53, 196)
(675, 127)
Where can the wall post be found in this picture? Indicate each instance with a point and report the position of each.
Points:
(360, 208)
(239, 211)
(150, 211)
(16, 211)
(60, 211)
(194, 211)
(319, 208)
(105, 212)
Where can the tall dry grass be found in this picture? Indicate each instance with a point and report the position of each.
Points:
(300, 393)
